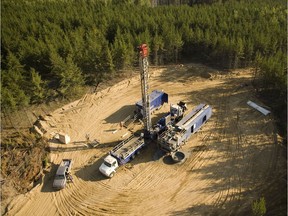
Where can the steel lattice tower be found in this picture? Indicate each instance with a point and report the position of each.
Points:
(143, 60)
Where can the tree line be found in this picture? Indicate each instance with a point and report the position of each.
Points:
(53, 48)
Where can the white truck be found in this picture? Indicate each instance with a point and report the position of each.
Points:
(62, 174)
(121, 154)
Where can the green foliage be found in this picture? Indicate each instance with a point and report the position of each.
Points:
(61, 45)
(36, 87)
(13, 84)
(106, 60)
(45, 162)
(157, 47)
(68, 74)
(7, 99)
(259, 207)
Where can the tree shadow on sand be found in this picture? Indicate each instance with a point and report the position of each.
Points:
(246, 165)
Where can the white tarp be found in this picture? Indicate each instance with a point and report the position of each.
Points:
(259, 108)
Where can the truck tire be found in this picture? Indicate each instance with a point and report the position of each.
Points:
(111, 175)
(138, 152)
(132, 156)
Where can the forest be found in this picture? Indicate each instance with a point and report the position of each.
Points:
(52, 49)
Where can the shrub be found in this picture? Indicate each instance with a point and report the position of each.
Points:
(259, 207)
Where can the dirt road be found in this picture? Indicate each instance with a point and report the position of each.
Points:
(231, 159)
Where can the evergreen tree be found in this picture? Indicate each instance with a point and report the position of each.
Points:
(71, 78)
(13, 84)
(157, 46)
(36, 87)
(100, 38)
(106, 59)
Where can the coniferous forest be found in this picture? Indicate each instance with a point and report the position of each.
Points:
(52, 48)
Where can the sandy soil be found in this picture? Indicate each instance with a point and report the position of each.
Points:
(231, 159)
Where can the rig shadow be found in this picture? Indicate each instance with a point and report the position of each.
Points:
(121, 114)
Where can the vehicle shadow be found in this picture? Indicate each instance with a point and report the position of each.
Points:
(47, 180)
(91, 171)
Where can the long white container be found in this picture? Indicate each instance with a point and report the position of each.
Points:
(259, 108)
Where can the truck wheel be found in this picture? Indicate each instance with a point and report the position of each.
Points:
(111, 175)
(138, 152)
(133, 156)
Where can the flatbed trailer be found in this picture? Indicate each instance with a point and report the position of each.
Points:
(127, 149)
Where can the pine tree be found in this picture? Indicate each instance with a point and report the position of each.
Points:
(157, 46)
(37, 87)
(13, 84)
(107, 59)
(71, 78)
(178, 43)
(69, 75)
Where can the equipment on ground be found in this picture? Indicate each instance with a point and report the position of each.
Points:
(177, 110)
(176, 114)
(64, 138)
(176, 135)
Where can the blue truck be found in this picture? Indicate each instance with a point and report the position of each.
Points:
(157, 99)
(121, 154)
(176, 135)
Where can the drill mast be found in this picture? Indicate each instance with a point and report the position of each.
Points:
(143, 60)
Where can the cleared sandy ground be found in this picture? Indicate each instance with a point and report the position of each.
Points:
(232, 159)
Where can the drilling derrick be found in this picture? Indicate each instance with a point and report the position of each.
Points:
(143, 60)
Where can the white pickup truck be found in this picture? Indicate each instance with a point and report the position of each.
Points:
(62, 173)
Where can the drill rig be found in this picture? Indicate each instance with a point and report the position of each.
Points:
(129, 148)
(176, 111)
(143, 61)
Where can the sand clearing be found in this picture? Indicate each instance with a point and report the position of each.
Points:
(234, 154)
